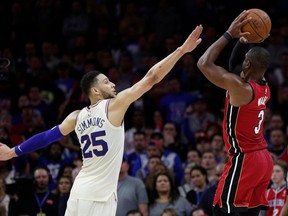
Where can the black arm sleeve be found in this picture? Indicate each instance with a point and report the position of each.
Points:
(237, 57)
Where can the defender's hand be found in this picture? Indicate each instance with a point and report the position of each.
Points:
(6, 153)
(192, 41)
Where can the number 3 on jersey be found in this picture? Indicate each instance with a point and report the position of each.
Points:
(261, 118)
(100, 145)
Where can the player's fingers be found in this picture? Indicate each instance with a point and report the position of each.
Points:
(195, 33)
(245, 21)
(198, 41)
(241, 16)
(198, 31)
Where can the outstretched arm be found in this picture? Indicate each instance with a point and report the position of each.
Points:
(120, 104)
(40, 140)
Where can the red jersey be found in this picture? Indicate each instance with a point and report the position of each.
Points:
(276, 199)
(243, 126)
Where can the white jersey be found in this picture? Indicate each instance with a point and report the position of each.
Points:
(102, 147)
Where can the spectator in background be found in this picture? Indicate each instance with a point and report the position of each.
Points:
(138, 158)
(63, 191)
(134, 213)
(64, 79)
(283, 103)
(279, 144)
(14, 133)
(217, 147)
(198, 211)
(53, 161)
(38, 103)
(157, 168)
(169, 212)
(174, 104)
(191, 80)
(4, 199)
(170, 158)
(199, 180)
(138, 124)
(206, 201)
(7, 172)
(193, 157)
(275, 122)
(202, 143)
(208, 162)
(39, 200)
(277, 194)
(131, 192)
(185, 187)
(145, 171)
(164, 195)
(197, 117)
(172, 140)
(75, 23)
(50, 61)
(128, 74)
(70, 147)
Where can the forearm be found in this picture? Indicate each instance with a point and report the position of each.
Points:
(162, 68)
(237, 57)
(206, 63)
(212, 53)
(38, 141)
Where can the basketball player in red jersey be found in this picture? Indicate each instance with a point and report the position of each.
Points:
(242, 186)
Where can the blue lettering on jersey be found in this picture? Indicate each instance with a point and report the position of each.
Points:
(95, 121)
(94, 144)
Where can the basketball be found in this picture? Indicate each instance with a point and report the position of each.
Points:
(259, 26)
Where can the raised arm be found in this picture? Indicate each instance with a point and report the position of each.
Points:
(238, 89)
(120, 104)
(237, 56)
(40, 140)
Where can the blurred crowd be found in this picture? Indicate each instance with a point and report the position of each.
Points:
(173, 138)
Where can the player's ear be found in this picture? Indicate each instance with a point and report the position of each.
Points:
(95, 91)
(247, 64)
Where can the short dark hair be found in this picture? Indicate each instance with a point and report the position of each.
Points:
(87, 81)
(134, 211)
(260, 58)
(139, 132)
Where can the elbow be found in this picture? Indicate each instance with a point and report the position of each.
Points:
(202, 63)
(152, 79)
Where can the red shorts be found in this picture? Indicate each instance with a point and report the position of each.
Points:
(244, 182)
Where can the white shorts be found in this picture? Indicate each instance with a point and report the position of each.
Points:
(79, 207)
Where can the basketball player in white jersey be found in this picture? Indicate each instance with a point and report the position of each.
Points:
(100, 131)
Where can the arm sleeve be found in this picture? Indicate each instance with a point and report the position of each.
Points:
(237, 57)
(39, 141)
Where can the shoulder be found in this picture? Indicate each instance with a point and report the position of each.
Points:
(134, 180)
(73, 115)
(182, 201)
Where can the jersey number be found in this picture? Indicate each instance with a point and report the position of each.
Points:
(261, 118)
(100, 145)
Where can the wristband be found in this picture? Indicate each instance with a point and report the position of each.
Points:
(228, 36)
(39, 141)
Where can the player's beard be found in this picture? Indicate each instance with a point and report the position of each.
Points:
(107, 95)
